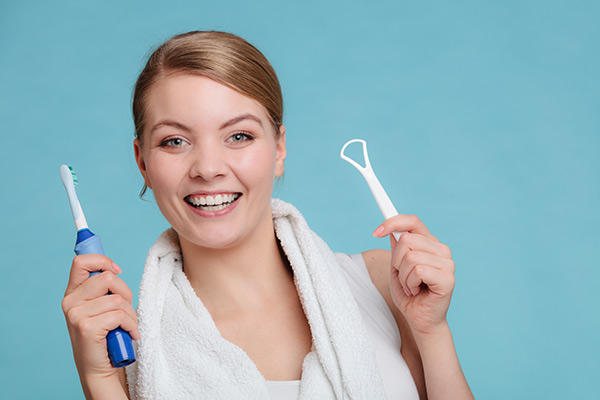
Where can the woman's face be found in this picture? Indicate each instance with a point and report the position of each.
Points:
(210, 156)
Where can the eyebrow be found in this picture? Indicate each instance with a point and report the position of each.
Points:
(232, 121)
(170, 123)
(240, 118)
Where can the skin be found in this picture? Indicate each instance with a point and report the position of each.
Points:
(190, 111)
(203, 138)
(416, 278)
(232, 261)
(90, 315)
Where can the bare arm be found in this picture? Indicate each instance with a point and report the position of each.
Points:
(123, 381)
(99, 389)
(443, 374)
(427, 344)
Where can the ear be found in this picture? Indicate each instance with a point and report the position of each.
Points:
(139, 159)
(281, 152)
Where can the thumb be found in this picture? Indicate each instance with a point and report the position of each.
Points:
(381, 229)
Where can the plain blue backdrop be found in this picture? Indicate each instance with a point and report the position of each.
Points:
(482, 118)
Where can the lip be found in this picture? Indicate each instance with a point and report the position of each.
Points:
(211, 193)
(213, 214)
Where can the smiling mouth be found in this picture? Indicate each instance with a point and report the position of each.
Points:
(212, 202)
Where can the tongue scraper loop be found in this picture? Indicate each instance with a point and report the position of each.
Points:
(383, 201)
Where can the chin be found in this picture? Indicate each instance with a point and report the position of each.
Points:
(211, 239)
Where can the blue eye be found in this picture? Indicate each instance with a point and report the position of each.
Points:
(240, 137)
(173, 142)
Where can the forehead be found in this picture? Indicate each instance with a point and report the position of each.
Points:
(196, 99)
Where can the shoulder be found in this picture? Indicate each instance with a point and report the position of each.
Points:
(378, 263)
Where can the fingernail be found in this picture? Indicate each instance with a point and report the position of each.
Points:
(378, 231)
(119, 270)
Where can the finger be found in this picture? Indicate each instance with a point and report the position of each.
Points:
(412, 241)
(97, 286)
(438, 281)
(100, 284)
(84, 264)
(403, 223)
(413, 258)
(100, 306)
(395, 285)
(100, 325)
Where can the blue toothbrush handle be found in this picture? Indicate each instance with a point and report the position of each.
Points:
(118, 341)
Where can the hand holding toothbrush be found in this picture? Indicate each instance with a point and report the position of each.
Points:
(91, 314)
(97, 307)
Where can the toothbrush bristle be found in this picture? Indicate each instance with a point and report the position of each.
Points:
(75, 181)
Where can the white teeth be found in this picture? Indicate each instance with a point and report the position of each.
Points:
(211, 203)
(215, 208)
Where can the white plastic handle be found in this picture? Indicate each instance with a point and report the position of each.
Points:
(383, 201)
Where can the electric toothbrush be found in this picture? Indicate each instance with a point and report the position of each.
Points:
(118, 341)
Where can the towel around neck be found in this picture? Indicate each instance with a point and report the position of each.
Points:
(183, 356)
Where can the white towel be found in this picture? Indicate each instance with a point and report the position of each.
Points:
(183, 356)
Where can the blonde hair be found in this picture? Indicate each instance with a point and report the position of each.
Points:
(221, 56)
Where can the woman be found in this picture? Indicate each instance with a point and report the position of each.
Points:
(239, 298)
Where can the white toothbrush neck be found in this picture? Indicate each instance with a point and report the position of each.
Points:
(80, 222)
(66, 177)
(78, 217)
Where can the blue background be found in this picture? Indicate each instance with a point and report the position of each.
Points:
(482, 118)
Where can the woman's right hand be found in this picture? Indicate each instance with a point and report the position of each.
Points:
(91, 314)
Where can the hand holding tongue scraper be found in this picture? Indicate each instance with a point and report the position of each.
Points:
(383, 201)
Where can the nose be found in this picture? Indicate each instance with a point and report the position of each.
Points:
(207, 161)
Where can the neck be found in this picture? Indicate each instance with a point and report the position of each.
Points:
(246, 277)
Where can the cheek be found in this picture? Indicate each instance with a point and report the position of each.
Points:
(161, 174)
(257, 167)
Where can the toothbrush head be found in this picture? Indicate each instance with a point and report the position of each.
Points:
(75, 181)
(68, 176)
(69, 180)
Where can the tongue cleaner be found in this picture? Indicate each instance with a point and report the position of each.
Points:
(383, 201)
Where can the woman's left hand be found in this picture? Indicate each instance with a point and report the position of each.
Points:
(422, 273)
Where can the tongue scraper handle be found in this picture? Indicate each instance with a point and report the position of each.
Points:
(383, 201)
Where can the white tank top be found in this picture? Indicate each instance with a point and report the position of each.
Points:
(381, 329)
